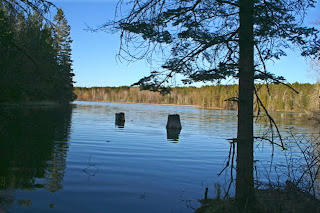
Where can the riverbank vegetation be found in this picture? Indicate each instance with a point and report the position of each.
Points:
(292, 187)
(267, 201)
(276, 97)
(35, 56)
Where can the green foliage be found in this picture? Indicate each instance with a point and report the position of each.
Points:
(34, 66)
(62, 45)
(276, 97)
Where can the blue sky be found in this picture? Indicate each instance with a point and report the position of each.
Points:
(94, 54)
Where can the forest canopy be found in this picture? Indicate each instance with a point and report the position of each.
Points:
(35, 57)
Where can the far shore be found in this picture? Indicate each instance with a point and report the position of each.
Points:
(158, 104)
(199, 107)
(53, 104)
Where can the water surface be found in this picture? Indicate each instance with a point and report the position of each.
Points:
(76, 159)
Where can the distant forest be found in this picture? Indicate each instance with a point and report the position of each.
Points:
(35, 57)
(275, 97)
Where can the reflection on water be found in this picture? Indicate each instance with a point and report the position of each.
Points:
(33, 150)
(120, 125)
(292, 120)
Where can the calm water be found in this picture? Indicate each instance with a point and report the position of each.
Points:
(77, 160)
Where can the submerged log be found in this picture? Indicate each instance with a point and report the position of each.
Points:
(174, 122)
(120, 119)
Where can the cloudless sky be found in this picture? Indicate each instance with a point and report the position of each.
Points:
(94, 54)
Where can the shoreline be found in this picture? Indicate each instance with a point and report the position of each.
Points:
(199, 107)
(158, 104)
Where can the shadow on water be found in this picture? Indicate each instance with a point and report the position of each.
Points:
(33, 150)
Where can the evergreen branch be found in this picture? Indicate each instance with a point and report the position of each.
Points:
(25, 53)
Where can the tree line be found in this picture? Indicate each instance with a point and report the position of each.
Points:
(276, 97)
(35, 57)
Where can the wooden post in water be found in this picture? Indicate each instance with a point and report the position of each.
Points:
(120, 119)
(174, 122)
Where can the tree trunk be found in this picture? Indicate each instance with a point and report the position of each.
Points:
(244, 179)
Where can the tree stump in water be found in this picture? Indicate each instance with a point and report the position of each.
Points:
(120, 119)
(173, 135)
(174, 122)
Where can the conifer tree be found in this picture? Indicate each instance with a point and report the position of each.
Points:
(34, 66)
(62, 45)
(7, 54)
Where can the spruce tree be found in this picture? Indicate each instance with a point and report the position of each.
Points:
(36, 57)
(62, 45)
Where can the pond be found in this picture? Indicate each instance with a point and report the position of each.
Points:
(76, 159)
